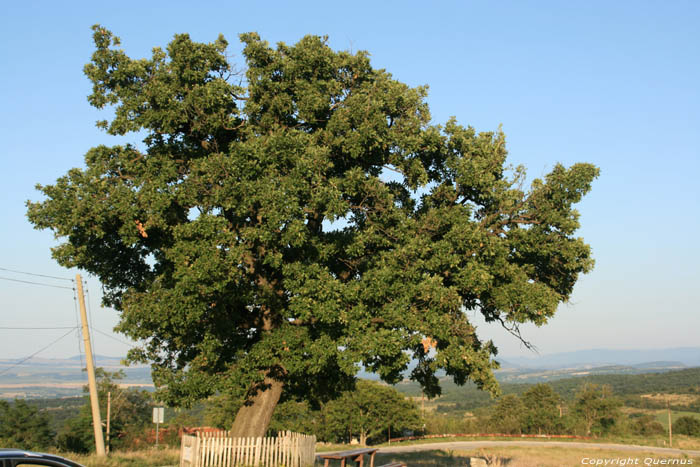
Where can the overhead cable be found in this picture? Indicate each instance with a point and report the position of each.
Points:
(37, 283)
(35, 274)
(35, 353)
(112, 337)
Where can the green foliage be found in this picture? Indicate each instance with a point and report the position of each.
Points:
(368, 413)
(24, 426)
(130, 413)
(646, 425)
(597, 408)
(256, 232)
(508, 415)
(295, 416)
(59, 409)
(441, 423)
(77, 434)
(220, 411)
(687, 426)
(676, 381)
(542, 410)
(628, 387)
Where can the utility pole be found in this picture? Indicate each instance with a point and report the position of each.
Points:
(109, 410)
(670, 430)
(90, 363)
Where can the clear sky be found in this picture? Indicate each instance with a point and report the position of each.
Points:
(612, 83)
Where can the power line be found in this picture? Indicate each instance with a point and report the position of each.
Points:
(35, 353)
(90, 320)
(37, 283)
(113, 338)
(57, 327)
(77, 325)
(34, 274)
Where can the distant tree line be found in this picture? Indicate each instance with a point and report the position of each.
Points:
(594, 410)
(627, 387)
(370, 413)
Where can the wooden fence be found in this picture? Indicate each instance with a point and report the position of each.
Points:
(220, 450)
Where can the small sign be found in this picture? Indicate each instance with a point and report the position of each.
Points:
(158, 414)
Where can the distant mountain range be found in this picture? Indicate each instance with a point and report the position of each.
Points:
(41, 377)
(49, 377)
(681, 356)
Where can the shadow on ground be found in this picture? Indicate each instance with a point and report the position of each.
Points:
(436, 458)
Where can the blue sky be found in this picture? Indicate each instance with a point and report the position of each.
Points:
(612, 83)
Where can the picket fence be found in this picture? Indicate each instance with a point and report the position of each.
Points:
(288, 449)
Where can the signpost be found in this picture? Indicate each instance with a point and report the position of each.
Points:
(158, 416)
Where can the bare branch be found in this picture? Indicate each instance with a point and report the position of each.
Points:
(514, 330)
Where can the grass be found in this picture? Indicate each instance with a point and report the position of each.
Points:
(675, 399)
(662, 416)
(144, 458)
(515, 456)
(679, 441)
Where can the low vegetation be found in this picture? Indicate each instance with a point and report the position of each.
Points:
(143, 458)
(371, 414)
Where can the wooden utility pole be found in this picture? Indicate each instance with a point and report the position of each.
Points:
(109, 410)
(670, 430)
(90, 363)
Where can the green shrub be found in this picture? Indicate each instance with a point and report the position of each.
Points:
(687, 426)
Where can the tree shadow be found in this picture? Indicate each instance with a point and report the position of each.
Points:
(440, 458)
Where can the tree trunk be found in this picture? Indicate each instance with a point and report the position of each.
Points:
(254, 416)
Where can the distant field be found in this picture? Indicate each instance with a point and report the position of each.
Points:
(674, 399)
(49, 378)
(662, 416)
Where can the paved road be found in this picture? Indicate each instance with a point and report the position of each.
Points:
(563, 444)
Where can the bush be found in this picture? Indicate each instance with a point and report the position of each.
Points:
(23, 426)
(646, 426)
(687, 426)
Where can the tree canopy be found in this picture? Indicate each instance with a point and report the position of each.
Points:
(23, 426)
(370, 412)
(508, 414)
(279, 226)
(543, 409)
(129, 414)
(596, 407)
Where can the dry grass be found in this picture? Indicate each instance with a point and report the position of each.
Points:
(679, 441)
(145, 458)
(675, 399)
(531, 457)
(495, 457)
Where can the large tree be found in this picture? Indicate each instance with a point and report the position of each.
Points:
(543, 409)
(596, 407)
(279, 226)
(370, 412)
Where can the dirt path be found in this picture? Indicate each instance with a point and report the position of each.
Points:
(560, 444)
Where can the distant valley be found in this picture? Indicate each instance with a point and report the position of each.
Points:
(44, 378)
(48, 378)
